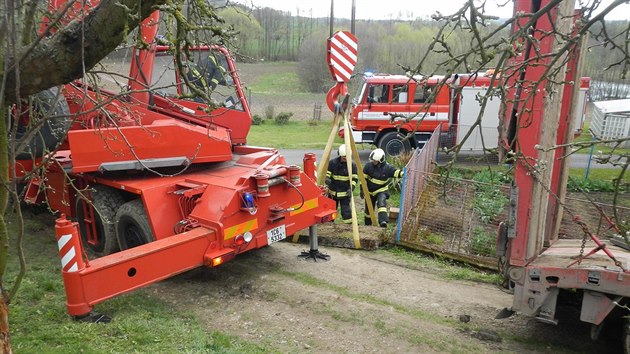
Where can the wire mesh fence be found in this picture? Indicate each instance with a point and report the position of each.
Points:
(459, 218)
(421, 162)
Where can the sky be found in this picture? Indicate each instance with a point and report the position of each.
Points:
(403, 9)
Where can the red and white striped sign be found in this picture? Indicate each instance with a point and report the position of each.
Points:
(342, 55)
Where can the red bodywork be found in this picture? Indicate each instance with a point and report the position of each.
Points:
(206, 195)
(539, 264)
(380, 109)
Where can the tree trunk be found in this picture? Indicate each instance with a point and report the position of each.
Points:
(63, 57)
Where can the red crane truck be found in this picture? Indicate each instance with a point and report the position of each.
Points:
(384, 101)
(543, 270)
(159, 184)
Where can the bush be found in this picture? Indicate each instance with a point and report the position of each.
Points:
(269, 111)
(257, 120)
(483, 243)
(283, 118)
(590, 185)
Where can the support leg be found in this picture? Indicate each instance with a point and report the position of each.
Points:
(313, 255)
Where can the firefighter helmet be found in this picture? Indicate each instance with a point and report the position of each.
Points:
(377, 155)
(342, 150)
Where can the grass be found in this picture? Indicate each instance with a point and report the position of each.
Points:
(604, 148)
(279, 82)
(293, 135)
(443, 267)
(141, 323)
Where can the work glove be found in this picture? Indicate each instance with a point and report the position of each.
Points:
(327, 181)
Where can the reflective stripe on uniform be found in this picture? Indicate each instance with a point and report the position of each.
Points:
(381, 210)
(340, 178)
(375, 180)
(398, 174)
(382, 189)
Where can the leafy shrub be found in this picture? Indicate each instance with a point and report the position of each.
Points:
(489, 203)
(270, 111)
(590, 185)
(492, 177)
(483, 243)
(283, 118)
(257, 120)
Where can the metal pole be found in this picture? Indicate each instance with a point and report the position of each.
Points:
(590, 157)
(332, 16)
(354, 8)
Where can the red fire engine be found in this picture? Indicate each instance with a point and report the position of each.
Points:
(159, 184)
(382, 108)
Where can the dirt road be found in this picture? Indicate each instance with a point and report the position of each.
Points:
(361, 302)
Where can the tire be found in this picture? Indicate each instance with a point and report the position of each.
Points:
(44, 136)
(626, 336)
(133, 228)
(393, 144)
(106, 201)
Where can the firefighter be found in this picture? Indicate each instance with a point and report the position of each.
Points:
(379, 174)
(207, 75)
(340, 184)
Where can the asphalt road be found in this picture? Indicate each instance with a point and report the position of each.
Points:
(295, 157)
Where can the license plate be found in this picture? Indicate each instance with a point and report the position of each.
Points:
(276, 234)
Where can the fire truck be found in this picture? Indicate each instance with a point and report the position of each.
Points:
(154, 181)
(389, 107)
(546, 271)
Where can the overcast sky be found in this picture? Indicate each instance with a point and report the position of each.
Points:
(403, 9)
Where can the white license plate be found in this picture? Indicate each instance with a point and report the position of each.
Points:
(276, 234)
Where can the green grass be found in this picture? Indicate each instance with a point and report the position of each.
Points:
(443, 267)
(604, 148)
(293, 135)
(278, 82)
(141, 323)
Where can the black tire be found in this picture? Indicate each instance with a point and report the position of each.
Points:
(133, 228)
(626, 336)
(35, 138)
(106, 201)
(393, 144)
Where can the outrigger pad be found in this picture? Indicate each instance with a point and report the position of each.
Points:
(314, 256)
(94, 317)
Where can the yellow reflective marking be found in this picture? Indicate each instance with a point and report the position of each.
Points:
(232, 231)
(308, 205)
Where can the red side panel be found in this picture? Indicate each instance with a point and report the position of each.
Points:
(92, 150)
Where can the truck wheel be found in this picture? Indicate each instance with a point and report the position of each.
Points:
(625, 336)
(393, 144)
(49, 105)
(133, 228)
(104, 203)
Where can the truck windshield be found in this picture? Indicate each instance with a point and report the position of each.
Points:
(207, 70)
(359, 97)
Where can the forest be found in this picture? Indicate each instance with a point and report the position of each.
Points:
(394, 46)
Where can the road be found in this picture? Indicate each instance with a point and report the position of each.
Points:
(294, 157)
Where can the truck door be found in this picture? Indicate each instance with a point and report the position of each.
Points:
(385, 100)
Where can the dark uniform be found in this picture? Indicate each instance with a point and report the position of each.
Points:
(207, 75)
(378, 180)
(337, 180)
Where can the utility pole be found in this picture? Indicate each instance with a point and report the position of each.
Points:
(332, 16)
(352, 16)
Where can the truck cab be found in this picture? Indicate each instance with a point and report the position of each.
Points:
(388, 108)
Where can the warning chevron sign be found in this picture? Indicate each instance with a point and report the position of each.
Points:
(342, 55)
